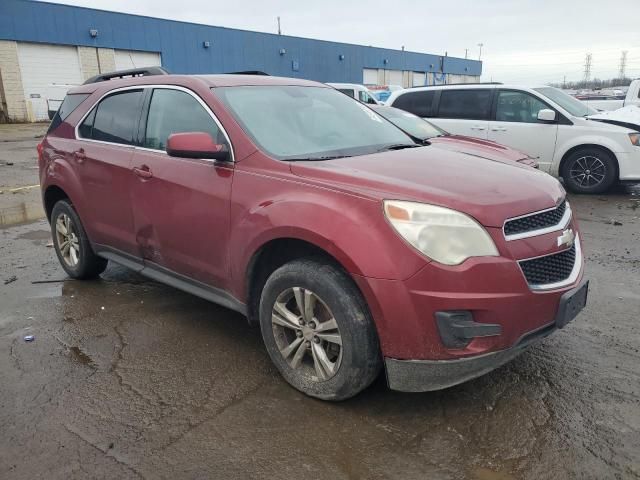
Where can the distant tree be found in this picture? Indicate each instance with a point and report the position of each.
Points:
(595, 84)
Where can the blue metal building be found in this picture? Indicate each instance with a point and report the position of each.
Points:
(184, 47)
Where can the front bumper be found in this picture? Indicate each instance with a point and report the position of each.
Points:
(629, 165)
(429, 375)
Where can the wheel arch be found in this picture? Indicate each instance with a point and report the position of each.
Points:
(274, 253)
(52, 195)
(576, 148)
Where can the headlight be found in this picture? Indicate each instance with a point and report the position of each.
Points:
(444, 235)
(635, 139)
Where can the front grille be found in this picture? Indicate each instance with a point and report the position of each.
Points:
(535, 221)
(549, 269)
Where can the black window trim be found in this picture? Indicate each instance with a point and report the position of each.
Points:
(147, 89)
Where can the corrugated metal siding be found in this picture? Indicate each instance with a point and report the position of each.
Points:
(126, 59)
(181, 44)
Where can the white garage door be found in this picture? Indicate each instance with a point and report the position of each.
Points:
(370, 76)
(126, 59)
(418, 79)
(395, 77)
(42, 66)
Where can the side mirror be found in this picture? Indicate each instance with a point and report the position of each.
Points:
(196, 145)
(547, 115)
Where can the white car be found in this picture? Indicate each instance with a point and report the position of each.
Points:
(590, 154)
(359, 92)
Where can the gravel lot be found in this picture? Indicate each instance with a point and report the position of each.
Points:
(127, 378)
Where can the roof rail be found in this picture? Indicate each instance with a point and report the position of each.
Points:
(249, 72)
(132, 72)
(458, 84)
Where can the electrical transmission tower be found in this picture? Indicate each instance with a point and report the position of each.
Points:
(587, 68)
(623, 64)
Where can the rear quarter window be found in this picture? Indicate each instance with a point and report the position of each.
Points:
(69, 104)
(465, 104)
(418, 103)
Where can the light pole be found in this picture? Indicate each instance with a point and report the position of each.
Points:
(480, 54)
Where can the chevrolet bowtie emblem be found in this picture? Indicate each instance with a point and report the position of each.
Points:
(566, 238)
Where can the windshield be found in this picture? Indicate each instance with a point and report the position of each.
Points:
(410, 123)
(315, 123)
(572, 105)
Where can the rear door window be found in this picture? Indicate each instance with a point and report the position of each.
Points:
(468, 104)
(115, 119)
(175, 111)
(418, 103)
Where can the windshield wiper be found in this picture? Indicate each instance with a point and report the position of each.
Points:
(398, 146)
(312, 159)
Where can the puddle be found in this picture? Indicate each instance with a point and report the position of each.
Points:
(47, 290)
(24, 212)
(36, 235)
(78, 355)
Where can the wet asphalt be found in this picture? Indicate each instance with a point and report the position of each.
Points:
(127, 378)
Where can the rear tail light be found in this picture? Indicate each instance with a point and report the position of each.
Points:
(40, 148)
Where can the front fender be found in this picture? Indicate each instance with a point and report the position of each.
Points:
(593, 139)
(351, 229)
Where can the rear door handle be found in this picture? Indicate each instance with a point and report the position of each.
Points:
(477, 127)
(498, 129)
(143, 171)
(79, 155)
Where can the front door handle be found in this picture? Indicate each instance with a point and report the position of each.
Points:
(143, 171)
(477, 127)
(498, 129)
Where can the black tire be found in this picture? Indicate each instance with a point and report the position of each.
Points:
(88, 264)
(600, 167)
(360, 360)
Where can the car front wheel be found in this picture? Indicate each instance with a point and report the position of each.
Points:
(318, 331)
(589, 170)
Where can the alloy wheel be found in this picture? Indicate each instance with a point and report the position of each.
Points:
(306, 333)
(588, 171)
(67, 240)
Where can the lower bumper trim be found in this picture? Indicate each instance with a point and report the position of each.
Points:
(430, 375)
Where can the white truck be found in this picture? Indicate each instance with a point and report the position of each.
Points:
(632, 98)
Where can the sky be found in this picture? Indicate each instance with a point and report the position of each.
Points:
(524, 41)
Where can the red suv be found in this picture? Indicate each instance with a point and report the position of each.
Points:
(353, 247)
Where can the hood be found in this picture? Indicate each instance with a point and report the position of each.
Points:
(488, 190)
(627, 117)
(477, 147)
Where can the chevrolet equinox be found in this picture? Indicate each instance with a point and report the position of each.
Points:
(352, 247)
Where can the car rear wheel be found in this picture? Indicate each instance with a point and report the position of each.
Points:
(318, 331)
(589, 170)
(72, 245)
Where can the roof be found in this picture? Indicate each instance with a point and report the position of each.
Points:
(222, 80)
(227, 80)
